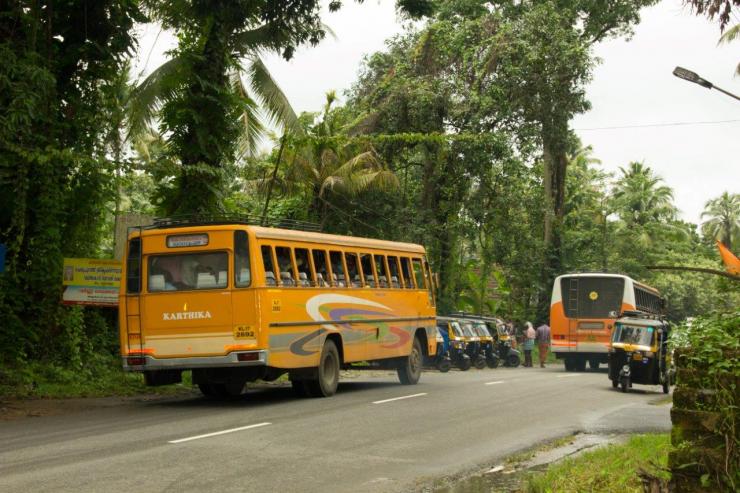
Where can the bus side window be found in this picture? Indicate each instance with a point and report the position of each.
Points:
(338, 273)
(418, 274)
(430, 281)
(394, 271)
(380, 269)
(321, 267)
(366, 262)
(242, 272)
(285, 264)
(353, 269)
(305, 275)
(268, 264)
(408, 281)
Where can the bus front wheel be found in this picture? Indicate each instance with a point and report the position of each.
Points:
(325, 385)
(410, 370)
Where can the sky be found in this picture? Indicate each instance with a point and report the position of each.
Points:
(633, 86)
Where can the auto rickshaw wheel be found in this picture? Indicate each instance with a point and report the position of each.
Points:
(615, 384)
(666, 385)
(444, 366)
(512, 360)
(464, 364)
(625, 384)
(492, 362)
(480, 362)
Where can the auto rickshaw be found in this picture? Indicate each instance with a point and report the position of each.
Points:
(638, 352)
(456, 342)
(473, 344)
(503, 343)
(486, 342)
(441, 360)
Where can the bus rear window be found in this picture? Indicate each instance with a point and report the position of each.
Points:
(592, 297)
(188, 271)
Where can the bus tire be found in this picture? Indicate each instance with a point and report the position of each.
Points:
(327, 380)
(593, 363)
(569, 364)
(228, 390)
(409, 371)
(580, 364)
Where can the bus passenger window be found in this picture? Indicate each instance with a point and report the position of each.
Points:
(320, 264)
(339, 277)
(286, 266)
(366, 262)
(418, 274)
(242, 273)
(270, 279)
(408, 281)
(394, 272)
(305, 276)
(353, 269)
(380, 269)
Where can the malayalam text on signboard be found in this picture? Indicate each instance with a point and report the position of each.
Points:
(90, 281)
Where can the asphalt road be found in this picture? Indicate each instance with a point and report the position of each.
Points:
(363, 439)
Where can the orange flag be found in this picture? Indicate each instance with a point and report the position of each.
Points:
(732, 263)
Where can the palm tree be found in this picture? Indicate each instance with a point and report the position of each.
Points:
(732, 34)
(723, 221)
(640, 198)
(321, 164)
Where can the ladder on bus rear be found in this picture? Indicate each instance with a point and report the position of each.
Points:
(134, 338)
(573, 297)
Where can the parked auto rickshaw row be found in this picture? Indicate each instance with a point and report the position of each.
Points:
(466, 340)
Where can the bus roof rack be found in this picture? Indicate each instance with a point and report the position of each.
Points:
(641, 314)
(214, 219)
(473, 316)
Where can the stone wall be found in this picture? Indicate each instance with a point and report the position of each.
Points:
(705, 424)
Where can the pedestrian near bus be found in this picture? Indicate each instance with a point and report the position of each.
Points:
(528, 346)
(543, 340)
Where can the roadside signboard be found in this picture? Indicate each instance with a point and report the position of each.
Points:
(90, 281)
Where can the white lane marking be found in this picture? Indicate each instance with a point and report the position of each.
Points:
(399, 398)
(216, 433)
(569, 375)
(494, 383)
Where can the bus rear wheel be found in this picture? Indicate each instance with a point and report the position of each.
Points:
(325, 385)
(409, 371)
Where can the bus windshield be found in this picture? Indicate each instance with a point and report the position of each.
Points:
(188, 271)
(642, 336)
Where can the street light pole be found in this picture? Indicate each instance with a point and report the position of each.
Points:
(690, 76)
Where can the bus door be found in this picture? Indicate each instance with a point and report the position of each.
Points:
(186, 309)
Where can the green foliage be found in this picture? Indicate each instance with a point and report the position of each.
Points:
(613, 468)
(710, 346)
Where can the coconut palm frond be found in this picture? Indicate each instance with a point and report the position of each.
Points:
(730, 35)
(274, 100)
(252, 128)
(147, 98)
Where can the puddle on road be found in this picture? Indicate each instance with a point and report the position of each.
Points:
(509, 476)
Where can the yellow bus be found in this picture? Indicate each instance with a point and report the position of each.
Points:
(235, 302)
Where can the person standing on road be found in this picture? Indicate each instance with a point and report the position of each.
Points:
(529, 336)
(543, 339)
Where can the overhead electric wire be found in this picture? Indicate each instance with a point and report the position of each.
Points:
(648, 125)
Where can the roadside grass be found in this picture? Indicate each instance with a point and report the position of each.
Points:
(613, 468)
(521, 457)
(99, 377)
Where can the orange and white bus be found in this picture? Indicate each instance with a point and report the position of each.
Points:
(583, 309)
(234, 302)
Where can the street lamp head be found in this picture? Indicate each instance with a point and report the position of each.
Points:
(690, 76)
